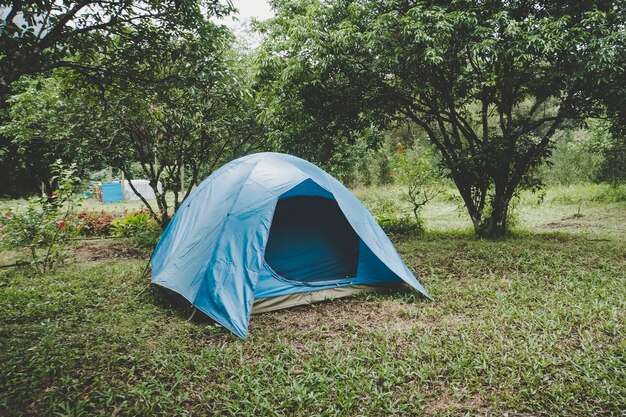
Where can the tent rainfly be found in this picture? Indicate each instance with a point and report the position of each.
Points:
(271, 231)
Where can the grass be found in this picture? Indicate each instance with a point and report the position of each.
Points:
(530, 326)
(588, 209)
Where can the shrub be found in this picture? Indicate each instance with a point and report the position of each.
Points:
(393, 219)
(366, 177)
(143, 230)
(46, 227)
(96, 224)
(613, 194)
(402, 225)
(574, 159)
(148, 238)
(132, 224)
(385, 174)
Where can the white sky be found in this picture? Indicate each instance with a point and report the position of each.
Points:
(239, 22)
(248, 9)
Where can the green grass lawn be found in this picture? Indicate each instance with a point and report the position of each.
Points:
(530, 326)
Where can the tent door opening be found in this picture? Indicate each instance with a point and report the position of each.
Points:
(311, 241)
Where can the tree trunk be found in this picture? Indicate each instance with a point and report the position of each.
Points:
(164, 220)
(495, 226)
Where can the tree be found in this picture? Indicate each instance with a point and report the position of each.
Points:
(608, 140)
(188, 109)
(489, 82)
(614, 150)
(46, 123)
(415, 172)
(194, 113)
(38, 36)
(84, 36)
(178, 129)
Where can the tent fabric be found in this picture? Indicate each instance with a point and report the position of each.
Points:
(311, 240)
(213, 251)
(116, 191)
(143, 187)
(264, 305)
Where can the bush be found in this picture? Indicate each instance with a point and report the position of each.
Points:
(613, 194)
(385, 174)
(46, 227)
(574, 159)
(143, 230)
(132, 224)
(148, 237)
(392, 218)
(403, 225)
(96, 224)
(366, 177)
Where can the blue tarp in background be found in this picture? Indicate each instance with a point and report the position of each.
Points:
(112, 192)
(213, 252)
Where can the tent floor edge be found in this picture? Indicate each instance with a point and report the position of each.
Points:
(264, 305)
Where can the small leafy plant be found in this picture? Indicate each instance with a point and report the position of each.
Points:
(131, 225)
(96, 224)
(419, 177)
(139, 226)
(46, 226)
(394, 220)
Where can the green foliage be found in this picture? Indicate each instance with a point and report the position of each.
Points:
(395, 224)
(40, 39)
(143, 230)
(489, 84)
(612, 147)
(46, 226)
(593, 153)
(147, 239)
(349, 161)
(44, 124)
(96, 224)
(185, 108)
(392, 218)
(414, 171)
(364, 168)
(40, 36)
(575, 158)
(385, 173)
(613, 194)
(131, 225)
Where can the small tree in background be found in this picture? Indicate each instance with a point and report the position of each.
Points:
(609, 140)
(419, 177)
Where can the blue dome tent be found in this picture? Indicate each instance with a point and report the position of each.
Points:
(270, 231)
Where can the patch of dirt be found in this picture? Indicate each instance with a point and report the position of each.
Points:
(95, 250)
(448, 403)
(341, 319)
(565, 224)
